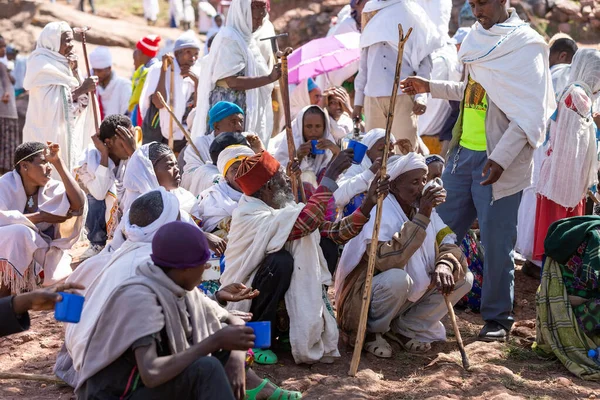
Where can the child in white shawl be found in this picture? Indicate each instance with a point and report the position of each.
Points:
(40, 218)
(57, 97)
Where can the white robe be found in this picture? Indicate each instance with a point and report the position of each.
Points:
(258, 230)
(151, 9)
(200, 177)
(217, 203)
(115, 96)
(30, 250)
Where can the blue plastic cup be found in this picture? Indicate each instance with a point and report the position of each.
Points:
(262, 331)
(359, 151)
(69, 308)
(314, 149)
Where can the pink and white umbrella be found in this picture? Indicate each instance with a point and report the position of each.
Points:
(323, 55)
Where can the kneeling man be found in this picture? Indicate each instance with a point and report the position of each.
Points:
(417, 265)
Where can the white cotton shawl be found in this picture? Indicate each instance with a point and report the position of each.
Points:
(560, 78)
(102, 278)
(439, 11)
(202, 143)
(200, 177)
(236, 49)
(383, 27)
(279, 148)
(115, 96)
(51, 254)
(517, 56)
(571, 166)
(217, 203)
(258, 230)
(49, 80)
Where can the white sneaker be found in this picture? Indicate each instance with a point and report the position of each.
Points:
(379, 347)
(91, 251)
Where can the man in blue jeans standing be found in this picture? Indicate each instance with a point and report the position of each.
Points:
(506, 98)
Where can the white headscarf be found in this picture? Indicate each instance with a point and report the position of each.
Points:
(146, 233)
(393, 217)
(570, 168)
(279, 148)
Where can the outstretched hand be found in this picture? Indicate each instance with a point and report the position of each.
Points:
(235, 292)
(414, 85)
(43, 299)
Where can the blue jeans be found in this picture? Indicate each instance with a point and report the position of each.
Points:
(468, 200)
(96, 221)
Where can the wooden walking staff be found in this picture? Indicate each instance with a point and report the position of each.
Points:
(180, 125)
(95, 109)
(461, 346)
(366, 300)
(171, 100)
(285, 96)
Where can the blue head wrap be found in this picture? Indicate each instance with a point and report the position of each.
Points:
(222, 110)
(311, 85)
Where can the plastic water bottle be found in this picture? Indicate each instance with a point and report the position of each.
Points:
(595, 355)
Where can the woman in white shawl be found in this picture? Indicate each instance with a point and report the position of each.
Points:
(40, 218)
(571, 165)
(357, 178)
(312, 123)
(216, 25)
(57, 97)
(305, 94)
(236, 71)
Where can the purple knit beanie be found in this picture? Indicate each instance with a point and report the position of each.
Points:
(179, 245)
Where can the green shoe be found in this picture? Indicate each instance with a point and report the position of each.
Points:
(278, 394)
(264, 356)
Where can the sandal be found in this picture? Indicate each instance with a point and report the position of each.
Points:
(278, 394)
(412, 345)
(264, 356)
(379, 347)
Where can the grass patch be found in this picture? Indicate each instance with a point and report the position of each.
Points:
(516, 353)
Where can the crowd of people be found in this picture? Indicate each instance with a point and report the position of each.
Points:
(493, 156)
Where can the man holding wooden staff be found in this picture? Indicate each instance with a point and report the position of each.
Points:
(417, 264)
(507, 98)
(180, 94)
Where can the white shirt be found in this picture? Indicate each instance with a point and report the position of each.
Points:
(19, 71)
(377, 69)
(115, 96)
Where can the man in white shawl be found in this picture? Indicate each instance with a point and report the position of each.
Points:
(562, 50)
(506, 72)
(417, 264)
(274, 248)
(113, 91)
(356, 180)
(158, 80)
(379, 52)
(100, 173)
(217, 203)
(40, 219)
(57, 97)
(236, 71)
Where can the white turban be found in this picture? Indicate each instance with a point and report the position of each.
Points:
(397, 165)
(146, 233)
(231, 155)
(373, 136)
(101, 58)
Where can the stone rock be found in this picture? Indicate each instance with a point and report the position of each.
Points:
(567, 6)
(562, 381)
(597, 13)
(557, 16)
(595, 23)
(585, 3)
(586, 11)
(564, 28)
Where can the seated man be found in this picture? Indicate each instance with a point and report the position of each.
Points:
(100, 174)
(218, 202)
(40, 219)
(169, 347)
(272, 239)
(417, 265)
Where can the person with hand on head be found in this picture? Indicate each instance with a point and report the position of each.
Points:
(14, 313)
(267, 221)
(158, 80)
(490, 164)
(58, 98)
(417, 264)
(40, 219)
(236, 71)
(340, 112)
(100, 173)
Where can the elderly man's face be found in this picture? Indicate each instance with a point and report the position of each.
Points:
(66, 44)
(186, 58)
(230, 176)
(408, 187)
(233, 123)
(278, 192)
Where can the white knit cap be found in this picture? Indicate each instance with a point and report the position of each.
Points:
(397, 165)
(231, 155)
(101, 58)
(187, 40)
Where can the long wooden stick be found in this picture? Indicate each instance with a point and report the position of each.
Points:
(180, 125)
(366, 300)
(461, 346)
(171, 103)
(285, 95)
(95, 109)
(32, 377)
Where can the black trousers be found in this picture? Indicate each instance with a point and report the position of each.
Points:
(331, 251)
(272, 280)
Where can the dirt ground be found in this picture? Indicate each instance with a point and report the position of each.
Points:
(499, 371)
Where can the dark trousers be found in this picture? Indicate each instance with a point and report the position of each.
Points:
(96, 221)
(81, 2)
(331, 251)
(272, 280)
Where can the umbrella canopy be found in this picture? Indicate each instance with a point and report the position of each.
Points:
(323, 55)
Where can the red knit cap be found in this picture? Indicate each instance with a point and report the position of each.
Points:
(149, 45)
(255, 171)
